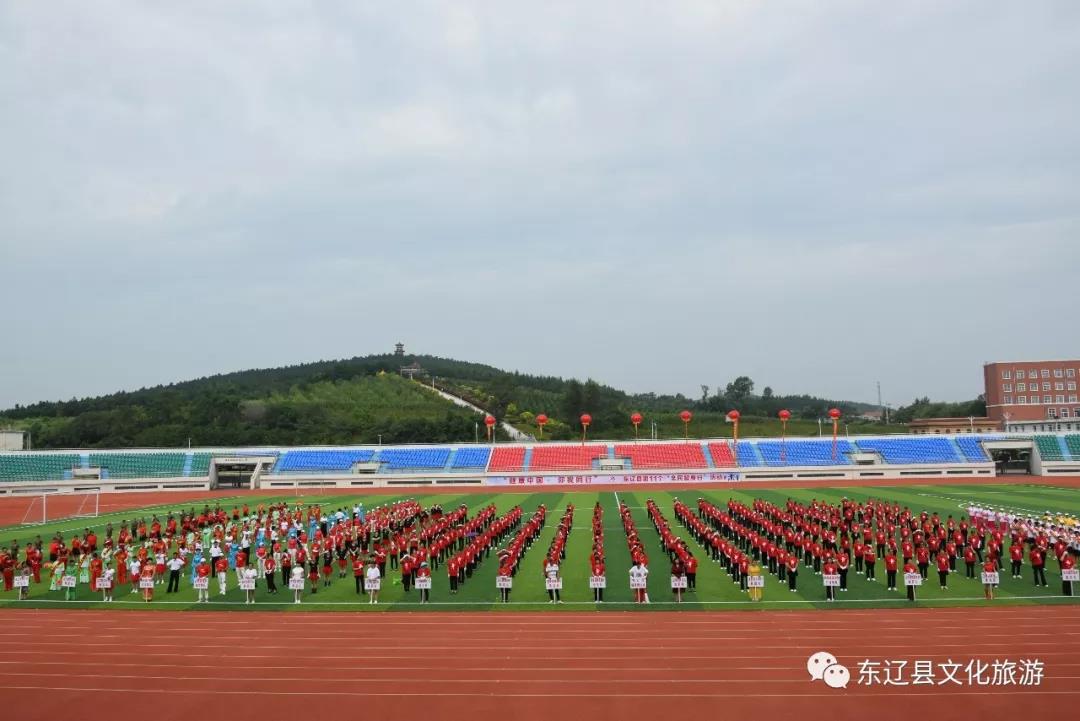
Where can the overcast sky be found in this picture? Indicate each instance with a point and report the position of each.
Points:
(658, 195)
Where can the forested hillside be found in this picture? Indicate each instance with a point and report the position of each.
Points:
(364, 400)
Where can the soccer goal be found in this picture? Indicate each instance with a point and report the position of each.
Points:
(48, 507)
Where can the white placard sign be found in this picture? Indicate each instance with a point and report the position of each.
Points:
(991, 577)
(201, 583)
(755, 582)
(1070, 574)
(597, 582)
(146, 583)
(296, 584)
(104, 584)
(22, 582)
(637, 583)
(912, 579)
(247, 584)
(67, 582)
(831, 579)
(504, 582)
(423, 583)
(678, 582)
(553, 584)
(373, 584)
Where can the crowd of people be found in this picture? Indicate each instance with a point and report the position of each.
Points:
(597, 565)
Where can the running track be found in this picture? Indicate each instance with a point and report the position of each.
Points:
(97, 665)
(13, 508)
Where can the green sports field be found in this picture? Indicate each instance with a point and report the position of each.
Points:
(715, 590)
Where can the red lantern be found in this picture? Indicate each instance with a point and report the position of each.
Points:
(733, 416)
(541, 420)
(489, 421)
(834, 413)
(636, 419)
(686, 416)
(785, 416)
(586, 420)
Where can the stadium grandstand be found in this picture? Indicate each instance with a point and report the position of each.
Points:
(707, 459)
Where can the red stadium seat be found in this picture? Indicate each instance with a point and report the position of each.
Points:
(663, 455)
(565, 458)
(507, 458)
(722, 456)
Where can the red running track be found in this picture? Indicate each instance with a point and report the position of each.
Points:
(96, 665)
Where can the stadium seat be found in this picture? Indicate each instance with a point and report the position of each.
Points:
(722, 455)
(912, 449)
(403, 459)
(565, 458)
(469, 459)
(972, 448)
(662, 455)
(36, 466)
(507, 459)
(746, 455)
(1072, 442)
(140, 465)
(794, 452)
(1050, 448)
(323, 460)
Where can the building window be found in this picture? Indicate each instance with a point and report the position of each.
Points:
(1051, 412)
(1006, 375)
(1046, 385)
(1071, 386)
(1058, 373)
(1007, 400)
(1048, 399)
(1006, 387)
(1021, 386)
(1044, 373)
(1072, 398)
(1022, 400)
(1019, 374)
(1059, 399)
(1070, 373)
(1064, 412)
(1059, 386)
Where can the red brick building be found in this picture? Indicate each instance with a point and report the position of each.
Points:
(1033, 395)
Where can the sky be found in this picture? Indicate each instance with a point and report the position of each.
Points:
(656, 195)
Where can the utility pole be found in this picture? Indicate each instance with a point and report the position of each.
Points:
(880, 404)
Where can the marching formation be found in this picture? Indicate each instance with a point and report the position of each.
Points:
(302, 549)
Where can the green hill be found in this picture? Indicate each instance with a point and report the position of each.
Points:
(364, 400)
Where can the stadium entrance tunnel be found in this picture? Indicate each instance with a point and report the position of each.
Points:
(239, 472)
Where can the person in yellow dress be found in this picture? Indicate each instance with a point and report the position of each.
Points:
(755, 591)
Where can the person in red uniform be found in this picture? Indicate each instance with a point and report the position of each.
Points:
(943, 569)
(969, 561)
(202, 571)
(452, 569)
(890, 570)
(358, 573)
(910, 567)
(97, 567)
(828, 569)
(843, 563)
(1016, 557)
(1067, 564)
(792, 571)
(423, 572)
(597, 568)
(989, 566)
(1038, 565)
(869, 562)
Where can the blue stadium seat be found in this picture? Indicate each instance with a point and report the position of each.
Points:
(747, 458)
(972, 448)
(805, 453)
(471, 459)
(399, 459)
(913, 449)
(314, 461)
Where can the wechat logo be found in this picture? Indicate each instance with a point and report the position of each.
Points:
(823, 667)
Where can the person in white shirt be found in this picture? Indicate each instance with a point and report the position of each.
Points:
(297, 574)
(373, 582)
(107, 587)
(639, 575)
(175, 564)
(134, 571)
(551, 573)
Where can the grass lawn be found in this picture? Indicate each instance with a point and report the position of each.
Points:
(715, 589)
